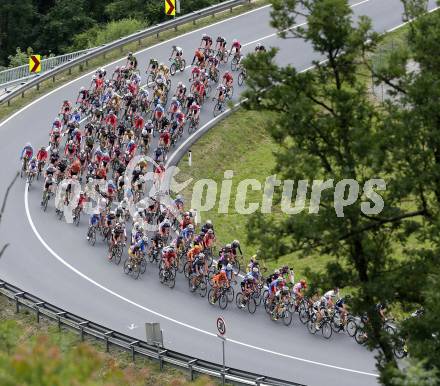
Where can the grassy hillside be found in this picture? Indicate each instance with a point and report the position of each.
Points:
(38, 355)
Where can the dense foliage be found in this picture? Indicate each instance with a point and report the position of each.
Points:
(59, 26)
(329, 128)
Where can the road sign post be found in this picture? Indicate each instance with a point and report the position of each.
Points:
(221, 328)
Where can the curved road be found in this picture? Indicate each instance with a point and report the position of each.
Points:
(52, 260)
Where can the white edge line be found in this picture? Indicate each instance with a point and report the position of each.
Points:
(172, 156)
(65, 263)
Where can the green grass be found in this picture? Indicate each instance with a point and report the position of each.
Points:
(242, 144)
(46, 337)
(48, 85)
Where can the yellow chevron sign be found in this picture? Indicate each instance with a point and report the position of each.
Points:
(170, 7)
(35, 63)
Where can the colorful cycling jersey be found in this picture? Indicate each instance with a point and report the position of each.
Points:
(159, 109)
(340, 303)
(236, 44)
(195, 108)
(298, 287)
(27, 151)
(94, 219)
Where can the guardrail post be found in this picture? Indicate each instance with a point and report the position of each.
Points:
(53, 79)
(59, 314)
(190, 366)
(70, 71)
(81, 330)
(259, 380)
(132, 344)
(22, 94)
(139, 42)
(37, 310)
(17, 303)
(161, 353)
(106, 335)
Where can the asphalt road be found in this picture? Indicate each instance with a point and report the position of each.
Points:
(53, 260)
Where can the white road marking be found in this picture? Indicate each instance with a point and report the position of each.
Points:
(109, 291)
(54, 254)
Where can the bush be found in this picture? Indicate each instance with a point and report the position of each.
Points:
(96, 36)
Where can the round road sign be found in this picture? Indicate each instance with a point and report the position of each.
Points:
(221, 326)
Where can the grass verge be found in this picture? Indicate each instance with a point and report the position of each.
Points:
(26, 338)
(242, 144)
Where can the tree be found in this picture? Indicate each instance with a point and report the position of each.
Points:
(17, 22)
(60, 24)
(329, 129)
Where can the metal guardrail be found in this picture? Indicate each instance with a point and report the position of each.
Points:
(105, 48)
(21, 73)
(134, 346)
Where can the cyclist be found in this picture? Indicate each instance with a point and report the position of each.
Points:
(220, 44)
(94, 221)
(118, 234)
(219, 280)
(32, 169)
(298, 291)
(228, 80)
(132, 62)
(200, 57)
(206, 42)
(194, 112)
(168, 257)
(178, 51)
(237, 47)
(260, 48)
(221, 92)
(199, 269)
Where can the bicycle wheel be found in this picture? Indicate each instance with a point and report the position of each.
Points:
(223, 301)
(399, 349)
(171, 278)
(335, 323)
(173, 69)
(181, 264)
(304, 316)
(252, 305)
(136, 271)
(360, 336)
(45, 201)
(287, 318)
(311, 327)
(187, 269)
(217, 109)
(152, 256)
(92, 237)
(143, 265)
(203, 288)
(77, 218)
(240, 79)
(234, 63)
(182, 65)
(127, 267)
(231, 92)
(211, 297)
(257, 297)
(239, 300)
(230, 294)
(351, 327)
(326, 330)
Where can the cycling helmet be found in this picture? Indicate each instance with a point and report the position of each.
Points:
(94, 77)
(173, 99)
(235, 243)
(229, 267)
(234, 41)
(303, 283)
(277, 272)
(208, 222)
(210, 231)
(258, 46)
(145, 239)
(130, 53)
(255, 269)
(190, 227)
(279, 279)
(201, 255)
(180, 84)
(82, 88)
(228, 246)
